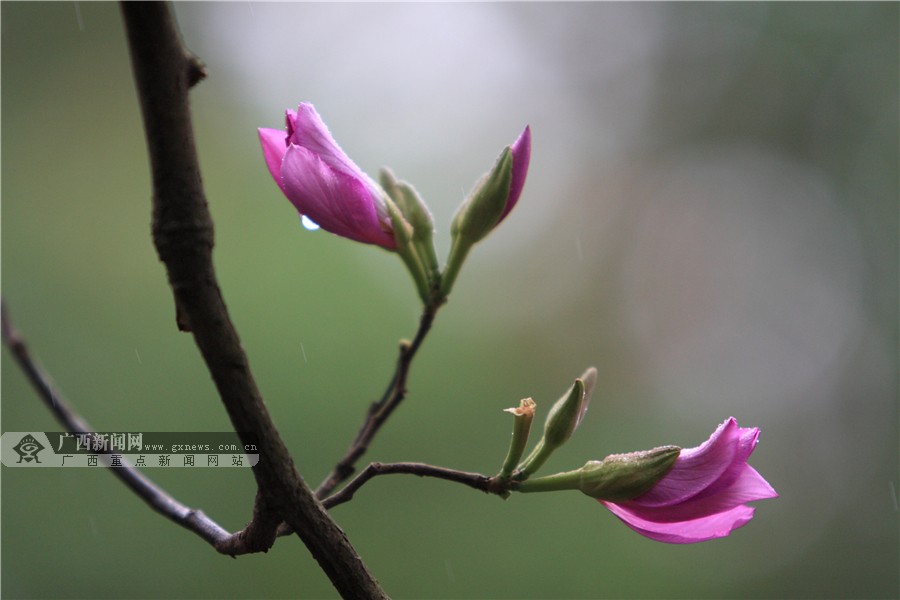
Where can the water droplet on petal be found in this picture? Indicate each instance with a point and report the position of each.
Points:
(308, 223)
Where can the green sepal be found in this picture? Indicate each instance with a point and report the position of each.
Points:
(416, 213)
(622, 477)
(403, 233)
(616, 478)
(481, 211)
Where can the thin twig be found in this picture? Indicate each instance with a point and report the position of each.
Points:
(477, 481)
(381, 410)
(161, 501)
(183, 234)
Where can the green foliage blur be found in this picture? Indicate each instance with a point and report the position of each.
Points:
(710, 219)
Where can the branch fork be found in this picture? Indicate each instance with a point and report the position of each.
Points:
(183, 235)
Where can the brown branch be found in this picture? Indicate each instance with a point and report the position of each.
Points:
(160, 500)
(381, 410)
(378, 411)
(183, 235)
(488, 485)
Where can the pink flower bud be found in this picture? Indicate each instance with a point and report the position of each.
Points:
(705, 493)
(495, 194)
(323, 183)
(521, 155)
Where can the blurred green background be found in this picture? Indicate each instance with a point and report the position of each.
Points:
(710, 219)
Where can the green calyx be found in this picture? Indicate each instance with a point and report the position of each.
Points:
(616, 478)
(416, 213)
(403, 236)
(481, 211)
(622, 477)
(414, 234)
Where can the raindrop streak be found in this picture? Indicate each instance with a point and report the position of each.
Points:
(894, 495)
(136, 353)
(449, 566)
(578, 248)
(78, 17)
(308, 223)
(303, 352)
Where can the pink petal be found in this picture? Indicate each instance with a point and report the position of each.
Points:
(308, 130)
(747, 487)
(704, 496)
(744, 447)
(274, 145)
(685, 532)
(696, 468)
(521, 153)
(336, 201)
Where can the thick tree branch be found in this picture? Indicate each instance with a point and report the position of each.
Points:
(183, 235)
